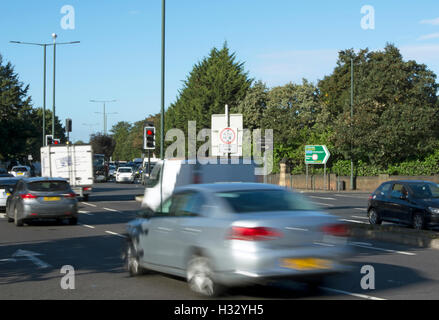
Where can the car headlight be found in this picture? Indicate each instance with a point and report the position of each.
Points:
(433, 210)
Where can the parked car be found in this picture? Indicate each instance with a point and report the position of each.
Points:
(411, 202)
(125, 174)
(42, 198)
(7, 186)
(233, 234)
(21, 171)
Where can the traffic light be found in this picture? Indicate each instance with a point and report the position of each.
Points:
(68, 125)
(49, 139)
(149, 138)
(56, 141)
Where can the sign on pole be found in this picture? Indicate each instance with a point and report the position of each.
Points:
(316, 154)
(227, 133)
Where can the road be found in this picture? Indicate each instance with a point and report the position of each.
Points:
(31, 258)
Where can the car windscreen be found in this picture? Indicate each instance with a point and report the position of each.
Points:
(127, 170)
(265, 201)
(49, 186)
(424, 190)
(20, 169)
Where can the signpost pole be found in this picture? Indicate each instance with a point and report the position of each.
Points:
(306, 176)
(324, 178)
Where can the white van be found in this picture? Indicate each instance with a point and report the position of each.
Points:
(175, 173)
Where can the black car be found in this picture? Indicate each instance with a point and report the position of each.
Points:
(411, 202)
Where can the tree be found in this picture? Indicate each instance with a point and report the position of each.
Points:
(395, 107)
(120, 133)
(214, 82)
(253, 106)
(102, 144)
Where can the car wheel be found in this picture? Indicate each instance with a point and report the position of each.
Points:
(132, 259)
(200, 277)
(85, 197)
(374, 218)
(418, 221)
(18, 222)
(73, 221)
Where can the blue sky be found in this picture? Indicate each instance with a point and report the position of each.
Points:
(280, 41)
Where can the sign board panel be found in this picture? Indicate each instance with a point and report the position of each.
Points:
(316, 154)
(226, 138)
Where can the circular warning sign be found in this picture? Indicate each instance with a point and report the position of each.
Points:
(227, 135)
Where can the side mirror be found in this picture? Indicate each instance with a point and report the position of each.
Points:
(145, 213)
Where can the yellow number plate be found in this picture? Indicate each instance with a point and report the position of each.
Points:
(52, 198)
(306, 264)
(20, 173)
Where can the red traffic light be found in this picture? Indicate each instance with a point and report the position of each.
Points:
(149, 132)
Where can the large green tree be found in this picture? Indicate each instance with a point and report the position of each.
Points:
(395, 107)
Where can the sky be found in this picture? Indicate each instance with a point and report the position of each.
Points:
(119, 54)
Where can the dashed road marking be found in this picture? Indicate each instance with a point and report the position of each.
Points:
(88, 226)
(323, 198)
(115, 234)
(112, 210)
(357, 295)
(89, 204)
(385, 250)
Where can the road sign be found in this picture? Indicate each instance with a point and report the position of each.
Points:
(316, 154)
(227, 133)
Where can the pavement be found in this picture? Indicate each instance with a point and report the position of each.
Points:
(32, 259)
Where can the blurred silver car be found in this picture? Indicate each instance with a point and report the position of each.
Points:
(21, 171)
(37, 198)
(232, 234)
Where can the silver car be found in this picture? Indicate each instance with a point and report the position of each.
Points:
(42, 198)
(233, 234)
(21, 171)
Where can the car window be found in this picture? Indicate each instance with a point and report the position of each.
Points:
(398, 190)
(424, 190)
(154, 177)
(20, 169)
(8, 185)
(265, 201)
(125, 170)
(188, 204)
(383, 189)
(48, 186)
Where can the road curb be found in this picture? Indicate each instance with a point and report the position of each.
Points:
(396, 234)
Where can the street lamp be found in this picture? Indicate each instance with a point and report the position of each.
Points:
(44, 45)
(54, 36)
(104, 113)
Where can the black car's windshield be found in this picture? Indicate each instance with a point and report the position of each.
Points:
(48, 186)
(424, 190)
(265, 201)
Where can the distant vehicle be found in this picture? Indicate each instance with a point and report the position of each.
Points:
(111, 171)
(21, 171)
(42, 198)
(7, 186)
(411, 202)
(100, 168)
(174, 173)
(125, 174)
(73, 163)
(234, 234)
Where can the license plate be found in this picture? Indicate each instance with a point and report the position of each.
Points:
(306, 264)
(20, 173)
(52, 198)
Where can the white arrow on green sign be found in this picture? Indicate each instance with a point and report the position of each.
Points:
(316, 154)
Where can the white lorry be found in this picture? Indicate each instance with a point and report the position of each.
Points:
(71, 162)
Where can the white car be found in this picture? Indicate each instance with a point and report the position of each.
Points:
(7, 186)
(21, 171)
(125, 174)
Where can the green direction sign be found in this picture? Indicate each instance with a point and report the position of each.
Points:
(316, 154)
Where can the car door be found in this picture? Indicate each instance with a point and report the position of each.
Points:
(14, 199)
(399, 208)
(380, 199)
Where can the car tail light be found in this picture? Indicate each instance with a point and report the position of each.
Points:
(70, 195)
(338, 230)
(28, 196)
(87, 189)
(253, 234)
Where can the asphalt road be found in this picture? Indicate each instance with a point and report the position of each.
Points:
(31, 258)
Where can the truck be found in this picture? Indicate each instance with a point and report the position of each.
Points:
(71, 162)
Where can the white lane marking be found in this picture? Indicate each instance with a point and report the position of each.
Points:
(296, 229)
(115, 234)
(89, 204)
(357, 295)
(362, 209)
(386, 250)
(2, 215)
(87, 226)
(8, 260)
(361, 243)
(323, 204)
(323, 198)
(112, 210)
(354, 221)
(85, 212)
(358, 217)
(31, 256)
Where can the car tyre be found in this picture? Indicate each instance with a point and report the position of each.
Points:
(374, 217)
(18, 222)
(132, 262)
(73, 221)
(418, 221)
(200, 277)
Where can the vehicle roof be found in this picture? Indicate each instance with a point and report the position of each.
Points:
(125, 168)
(229, 186)
(20, 166)
(36, 179)
(409, 181)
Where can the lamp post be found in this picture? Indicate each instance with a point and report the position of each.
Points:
(104, 113)
(352, 118)
(162, 109)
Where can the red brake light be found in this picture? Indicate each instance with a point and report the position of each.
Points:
(70, 195)
(28, 196)
(338, 230)
(253, 234)
(87, 189)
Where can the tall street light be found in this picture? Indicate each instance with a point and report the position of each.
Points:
(104, 113)
(44, 45)
(162, 109)
(352, 118)
(54, 36)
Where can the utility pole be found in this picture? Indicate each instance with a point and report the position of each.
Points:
(352, 118)
(104, 113)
